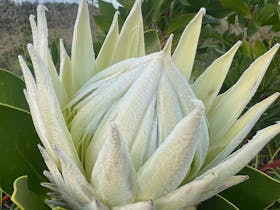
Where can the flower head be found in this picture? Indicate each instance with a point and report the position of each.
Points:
(127, 130)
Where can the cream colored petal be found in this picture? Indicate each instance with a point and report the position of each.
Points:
(224, 114)
(216, 187)
(131, 41)
(132, 106)
(82, 54)
(34, 30)
(32, 99)
(208, 85)
(236, 161)
(153, 140)
(142, 140)
(66, 71)
(237, 132)
(175, 154)
(52, 117)
(113, 174)
(88, 116)
(185, 51)
(168, 45)
(144, 205)
(168, 110)
(58, 87)
(40, 36)
(186, 195)
(105, 56)
(94, 147)
(187, 102)
(42, 33)
(54, 173)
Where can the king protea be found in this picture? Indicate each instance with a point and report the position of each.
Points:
(125, 130)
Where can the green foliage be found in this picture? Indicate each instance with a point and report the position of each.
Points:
(257, 193)
(12, 90)
(19, 152)
(26, 199)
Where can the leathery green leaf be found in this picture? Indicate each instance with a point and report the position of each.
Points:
(266, 190)
(26, 199)
(219, 202)
(19, 153)
(12, 90)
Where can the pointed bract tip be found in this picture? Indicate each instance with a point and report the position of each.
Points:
(42, 8)
(168, 45)
(198, 104)
(239, 42)
(202, 11)
(277, 94)
(31, 17)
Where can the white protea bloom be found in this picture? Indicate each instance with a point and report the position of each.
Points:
(125, 130)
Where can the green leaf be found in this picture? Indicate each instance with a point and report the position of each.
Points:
(238, 6)
(267, 13)
(152, 42)
(11, 90)
(178, 23)
(257, 193)
(26, 199)
(219, 202)
(104, 19)
(259, 48)
(19, 153)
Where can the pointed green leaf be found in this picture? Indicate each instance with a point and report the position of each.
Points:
(219, 202)
(26, 199)
(11, 90)
(152, 42)
(257, 193)
(19, 152)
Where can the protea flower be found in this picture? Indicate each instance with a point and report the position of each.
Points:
(127, 130)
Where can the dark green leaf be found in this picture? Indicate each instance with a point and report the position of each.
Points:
(238, 6)
(152, 42)
(257, 193)
(26, 199)
(11, 90)
(247, 49)
(178, 23)
(259, 48)
(104, 19)
(19, 153)
(266, 14)
(217, 202)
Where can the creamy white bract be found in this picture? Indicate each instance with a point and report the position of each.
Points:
(125, 130)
